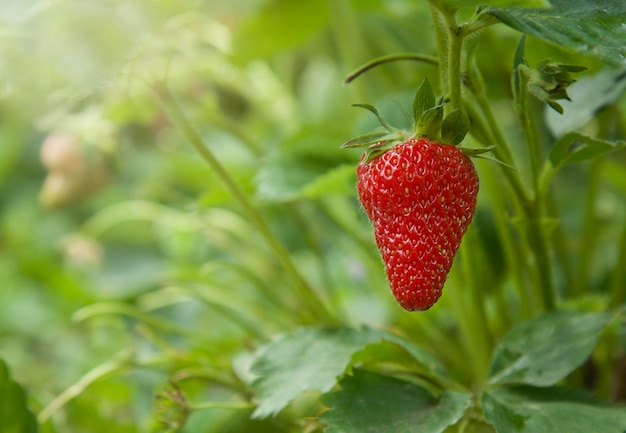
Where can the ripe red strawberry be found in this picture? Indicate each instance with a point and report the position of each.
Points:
(420, 196)
(419, 190)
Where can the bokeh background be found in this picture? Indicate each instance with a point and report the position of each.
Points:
(125, 260)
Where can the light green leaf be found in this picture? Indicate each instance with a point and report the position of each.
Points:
(15, 417)
(590, 27)
(549, 410)
(424, 99)
(588, 95)
(543, 351)
(369, 402)
(575, 147)
(371, 138)
(306, 360)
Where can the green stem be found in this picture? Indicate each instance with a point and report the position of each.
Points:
(560, 241)
(535, 210)
(108, 369)
(455, 46)
(502, 151)
(317, 309)
(512, 253)
(387, 59)
(441, 36)
(452, 67)
(534, 147)
(618, 287)
(589, 232)
(221, 405)
(480, 338)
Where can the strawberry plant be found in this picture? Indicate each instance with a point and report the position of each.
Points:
(236, 262)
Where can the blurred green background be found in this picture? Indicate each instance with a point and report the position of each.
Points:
(123, 257)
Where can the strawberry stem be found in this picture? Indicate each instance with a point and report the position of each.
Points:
(387, 59)
(452, 75)
(455, 46)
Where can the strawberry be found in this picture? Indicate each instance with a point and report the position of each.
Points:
(419, 190)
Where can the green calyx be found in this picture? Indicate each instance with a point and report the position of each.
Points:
(428, 122)
(548, 82)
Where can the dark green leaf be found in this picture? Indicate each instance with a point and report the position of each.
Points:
(549, 410)
(478, 426)
(548, 82)
(395, 348)
(575, 147)
(430, 123)
(543, 351)
(424, 100)
(454, 127)
(15, 417)
(588, 95)
(370, 402)
(590, 27)
(306, 360)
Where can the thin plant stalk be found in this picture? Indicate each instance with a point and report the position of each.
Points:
(318, 312)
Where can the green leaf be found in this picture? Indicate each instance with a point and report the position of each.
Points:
(369, 402)
(543, 351)
(306, 360)
(474, 151)
(430, 123)
(370, 138)
(588, 95)
(548, 82)
(397, 349)
(575, 147)
(587, 26)
(424, 100)
(15, 417)
(549, 410)
(454, 127)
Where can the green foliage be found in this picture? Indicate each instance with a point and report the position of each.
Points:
(587, 26)
(308, 360)
(223, 262)
(543, 351)
(546, 409)
(15, 416)
(369, 402)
